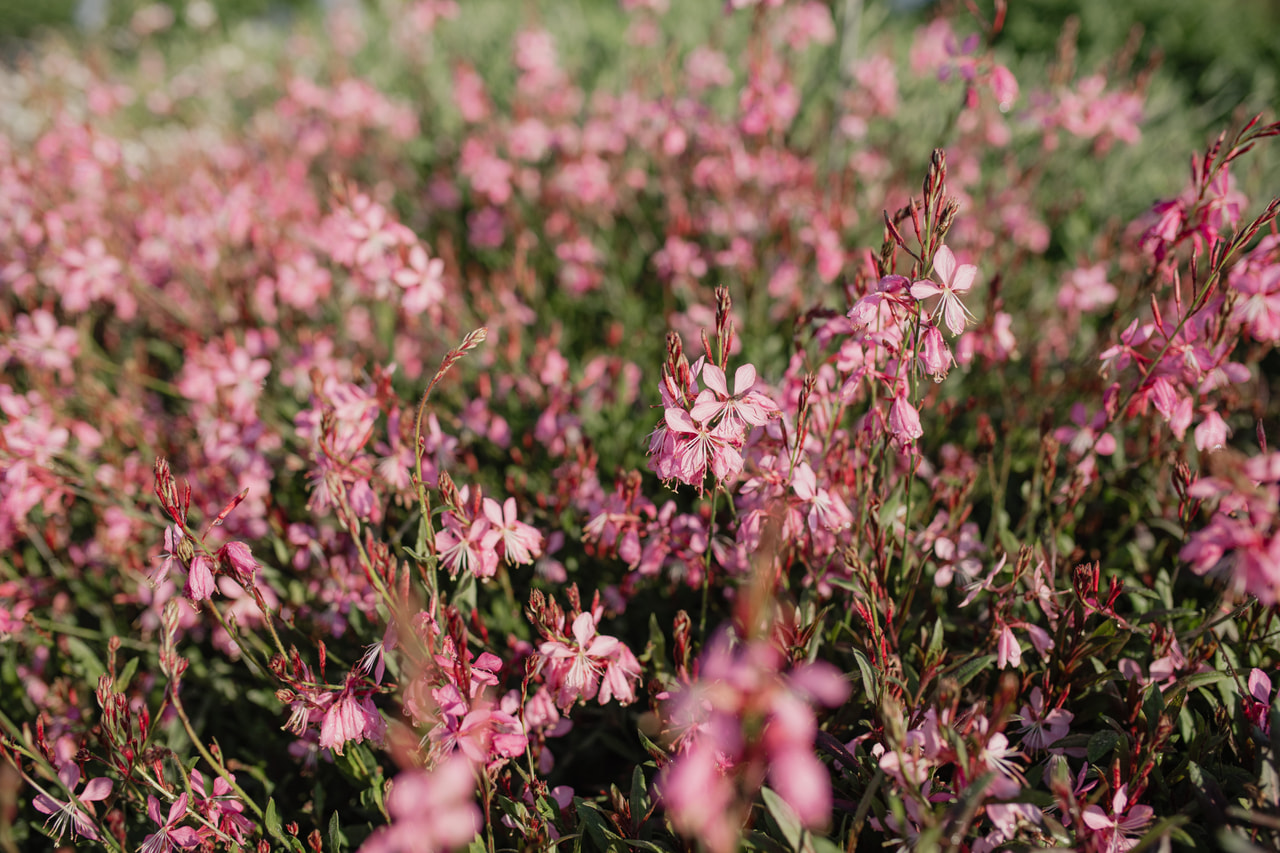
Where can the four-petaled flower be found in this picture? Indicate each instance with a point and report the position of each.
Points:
(170, 835)
(521, 543)
(744, 406)
(1117, 831)
(70, 814)
(697, 445)
(955, 279)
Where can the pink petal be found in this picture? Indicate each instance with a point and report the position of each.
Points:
(954, 315)
(584, 628)
(706, 406)
(69, 775)
(1259, 686)
(803, 782)
(944, 264)
(493, 511)
(964, 277)
(713, 378)
(602, 646)
(97, 789)
(923, 289)
(153, 809)
(46, 805)
(176, 812)
(1094, 817)
(184, 836)
(804, 482)
(678, 420)
(743, 379)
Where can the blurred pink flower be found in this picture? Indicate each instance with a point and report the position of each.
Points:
(430, 811)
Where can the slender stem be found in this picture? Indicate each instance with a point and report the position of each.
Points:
(706, 571)
(218, 766)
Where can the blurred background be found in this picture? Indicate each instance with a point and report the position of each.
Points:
(1222, 54)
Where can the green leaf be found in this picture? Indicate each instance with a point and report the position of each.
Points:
(272, 821)
(85, 657)
(785, 817)
(639, 796)
(1101, 744)
(935, 642)
(1153, 706)
(968, 671)
(126, 675)
(590, 817)
(336, 839)
(868, 674)
(1201, 679)
(645, 845)
(656, 650)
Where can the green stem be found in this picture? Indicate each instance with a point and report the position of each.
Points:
(217, 765)
(706, 571)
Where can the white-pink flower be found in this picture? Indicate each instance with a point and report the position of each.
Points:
(521, 543)
(469, 549)
(696, 446)
(955, 279)
(744, 406)
(825, 509)
(575, 670)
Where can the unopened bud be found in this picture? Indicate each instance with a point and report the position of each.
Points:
(449, 491)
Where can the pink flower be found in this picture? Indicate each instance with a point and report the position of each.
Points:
(429, 811)
(1087, 289)
(744, 406)
(170, 835)
(485, 735)
(1042, 727)
(1008, 652)
(825, 509)
(621, 674)
(698, 799)
(956, 279)
(173, 535)
(1118, 832)
(470, 548)
(1211, 433)
(221, 806)
(199, 579)
(576, 670)
(904, 421)
(1257, 705)
(238, 556)
(521, 543)
(1086, 435)
(351, 716)
(70, 814)
(696, 446)
(934, 355)
(1005, 87)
